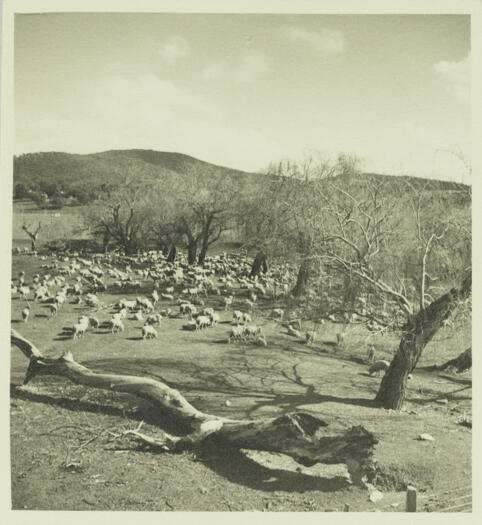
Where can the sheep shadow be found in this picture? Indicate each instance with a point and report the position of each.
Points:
(41, 315)
(62, 338)
(134, 338)
(15, 321)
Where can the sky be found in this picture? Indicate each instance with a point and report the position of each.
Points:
(246, 90)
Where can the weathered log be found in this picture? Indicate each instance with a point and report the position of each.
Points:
(304, 437)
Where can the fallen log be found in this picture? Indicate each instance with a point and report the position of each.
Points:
(304, 437)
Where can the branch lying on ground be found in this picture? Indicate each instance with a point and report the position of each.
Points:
(300, 435)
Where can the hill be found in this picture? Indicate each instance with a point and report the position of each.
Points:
(83, 176)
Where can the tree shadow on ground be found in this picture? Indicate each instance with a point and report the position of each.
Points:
(212, 381)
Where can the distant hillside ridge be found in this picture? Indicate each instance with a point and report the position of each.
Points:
(83, 176)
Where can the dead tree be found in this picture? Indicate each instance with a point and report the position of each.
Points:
(32, 234)
(362, 225)
(304, 437)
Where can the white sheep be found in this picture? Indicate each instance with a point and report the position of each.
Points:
(247, 318)
(228, 301)
(237, 316)
(378, 366)
(310, 337)
(25, 313)
(236, 333)
(215, 319)
(148, 332)
(277, 313)
(252, 331)
(81, 327)
(138, 316)
(24, 292)
(154, 319)
(155, 297)
(167, 296)
(202, 321)
(116, 325)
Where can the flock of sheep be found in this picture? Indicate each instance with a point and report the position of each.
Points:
(223, 281)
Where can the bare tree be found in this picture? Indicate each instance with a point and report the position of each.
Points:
(33, 234)
(121, 216)
(364, 235)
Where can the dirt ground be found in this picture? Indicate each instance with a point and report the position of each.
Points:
(64, 455)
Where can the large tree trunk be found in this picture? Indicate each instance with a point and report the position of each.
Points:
(302, 436)
(203, 253)
(302, 279)
(171, 257)
(260, 264)
(191, 253)
(417, 333)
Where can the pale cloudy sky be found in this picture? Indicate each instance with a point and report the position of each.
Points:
(245, 90)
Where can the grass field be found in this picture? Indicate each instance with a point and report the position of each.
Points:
(64, 457)
(56, 224)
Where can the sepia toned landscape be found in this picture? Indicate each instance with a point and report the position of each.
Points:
(241, 273)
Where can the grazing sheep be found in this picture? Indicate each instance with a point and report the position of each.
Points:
(148, 332)
(25, 313)
(202, 321)
(249, 304)
(81, 327)
(247, 318)
(190, 310)
(215, 319)
(378, 366)
(252, 332)
(208, 312)
(228, 301)
(138, 316)
(277, 313)
(310, 337)
(236, 334)
(237, 316)
(116, 325)
(154, 319)
(24, 292)
(167, 296)
(94, 322)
